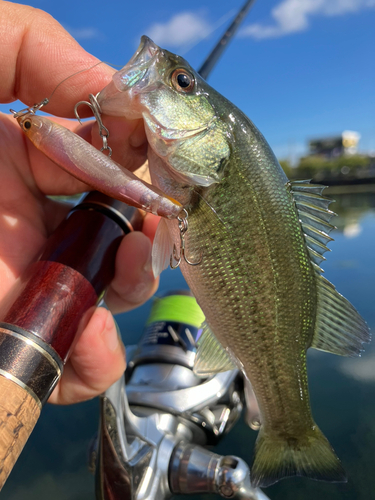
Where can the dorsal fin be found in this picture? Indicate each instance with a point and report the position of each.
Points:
(315, 217)
(339, 328)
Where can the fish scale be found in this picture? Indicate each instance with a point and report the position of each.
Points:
(267, 322)
(258, 240)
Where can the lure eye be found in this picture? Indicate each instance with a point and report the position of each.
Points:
(182, 80)
(27, 124)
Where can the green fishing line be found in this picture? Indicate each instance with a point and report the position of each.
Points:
(177, 308)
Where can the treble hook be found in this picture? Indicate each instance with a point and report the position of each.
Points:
(96, 111)
(183, 227)
(32, 109)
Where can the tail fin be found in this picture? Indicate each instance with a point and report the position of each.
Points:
(309, 455)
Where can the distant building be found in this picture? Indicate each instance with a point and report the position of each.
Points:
(331, 147)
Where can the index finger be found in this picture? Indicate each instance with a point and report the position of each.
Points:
(38, 54)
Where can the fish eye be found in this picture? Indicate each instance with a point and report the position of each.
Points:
(27, 124)
(182, 80)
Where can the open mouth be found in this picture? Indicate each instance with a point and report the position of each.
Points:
(138, 65)
(117, 97)
(147, 50)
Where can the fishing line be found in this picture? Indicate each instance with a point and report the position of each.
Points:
(210, 207)
(44, 102)
(78, 72)
(216, 26)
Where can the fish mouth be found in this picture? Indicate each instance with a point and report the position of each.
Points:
(134, 78)
(147, 50)
(136, 69)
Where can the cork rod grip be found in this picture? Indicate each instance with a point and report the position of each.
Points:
(19, 413)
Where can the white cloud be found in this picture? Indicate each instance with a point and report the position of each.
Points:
(182, 29)
(359, 369)
(84, 33)
(352, 230)
(292, 16)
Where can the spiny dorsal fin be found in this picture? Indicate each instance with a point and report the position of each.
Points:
(211, 357)
(339, 327)
(315, 217)
(313, 232)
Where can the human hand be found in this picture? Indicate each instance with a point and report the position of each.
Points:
(36, 54)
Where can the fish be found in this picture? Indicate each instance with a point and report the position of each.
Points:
(251, 243)
(79, 158)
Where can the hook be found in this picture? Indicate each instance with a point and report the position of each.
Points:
(96, 111)
(31, 109)
(183, 227)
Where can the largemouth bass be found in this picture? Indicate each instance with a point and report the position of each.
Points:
(258, 241)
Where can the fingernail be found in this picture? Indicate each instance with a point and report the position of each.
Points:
(112, 335)
(147, 268)
(140, 292)
(119, 337)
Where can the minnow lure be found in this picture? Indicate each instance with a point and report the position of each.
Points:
(86, 163)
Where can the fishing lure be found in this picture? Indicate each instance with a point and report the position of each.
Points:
(86, 163)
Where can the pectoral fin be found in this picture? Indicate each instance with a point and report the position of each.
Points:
(162, 248)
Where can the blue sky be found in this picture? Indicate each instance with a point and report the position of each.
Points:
(299, 68)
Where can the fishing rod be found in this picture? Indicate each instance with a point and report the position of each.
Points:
(44, 312)
(47, 308)
(222, 44)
